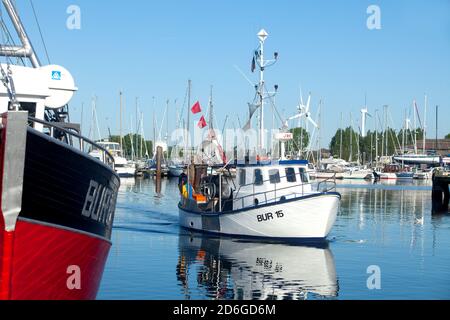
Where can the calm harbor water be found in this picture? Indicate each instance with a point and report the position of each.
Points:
(390, 226)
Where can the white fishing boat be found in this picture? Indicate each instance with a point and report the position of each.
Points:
(267, 199)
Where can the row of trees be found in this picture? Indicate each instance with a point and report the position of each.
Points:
(134, 145)
(354, 145)
(447, 136)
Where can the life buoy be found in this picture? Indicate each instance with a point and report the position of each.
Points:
(262, 158)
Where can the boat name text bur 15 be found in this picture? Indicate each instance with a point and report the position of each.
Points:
(270, 216)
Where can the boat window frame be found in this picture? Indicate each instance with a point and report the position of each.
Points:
(260, 176)
(303, 175)
(291, 176)
(274, 176)
(242, 176)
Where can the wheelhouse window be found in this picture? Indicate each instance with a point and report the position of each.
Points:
(290, 175)
(259, 179)
(242, 176)
(303, 175)
(274, 176)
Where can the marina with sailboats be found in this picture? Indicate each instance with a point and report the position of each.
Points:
(216, 183)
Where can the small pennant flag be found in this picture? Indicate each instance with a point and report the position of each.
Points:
(196, 108)
(253, 64)
(202, 123)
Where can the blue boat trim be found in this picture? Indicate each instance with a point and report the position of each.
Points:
(320, 243)
(337, 194)
(271, 163)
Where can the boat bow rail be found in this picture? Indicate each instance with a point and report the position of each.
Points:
(69, 137)
(327, 185)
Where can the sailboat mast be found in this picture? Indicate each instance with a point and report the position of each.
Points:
(436, 146)
(351, 138)
(415, 127)
(342, 135)
(120, 116)
(425, 125)
(187, 142)
(137, 127)
(211, 116)
(376, 137)
(167, 122)
(386, 126)
(403, 140)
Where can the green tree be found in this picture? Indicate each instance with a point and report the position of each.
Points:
(349, 144)
(447, 136)
(300, 140)
(129, 145)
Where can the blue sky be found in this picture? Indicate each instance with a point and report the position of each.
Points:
(151, 48)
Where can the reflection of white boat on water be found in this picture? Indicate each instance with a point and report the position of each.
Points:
(232, 269)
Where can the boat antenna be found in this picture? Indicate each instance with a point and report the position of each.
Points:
(40, 31)
(262, 63)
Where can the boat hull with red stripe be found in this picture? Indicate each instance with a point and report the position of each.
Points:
(57, 211)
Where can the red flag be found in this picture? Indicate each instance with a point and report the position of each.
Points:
(196, 108)
(202, 123)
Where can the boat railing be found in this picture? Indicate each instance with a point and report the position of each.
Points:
(276, 194)
(328, 184)
(69, 137)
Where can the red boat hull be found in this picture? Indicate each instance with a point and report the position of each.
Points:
(57, 209)
(42, 260)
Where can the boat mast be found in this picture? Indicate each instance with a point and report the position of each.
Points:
(425, 126)
(211, 119)
(262, 35)
(340, 145)
(403, 141)
(436, 143)
(120, 129)
(187, 142)
(376, 138)
(386, 126)
(26, 50)
(261, 90)
(351, 138)
(415, 127)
